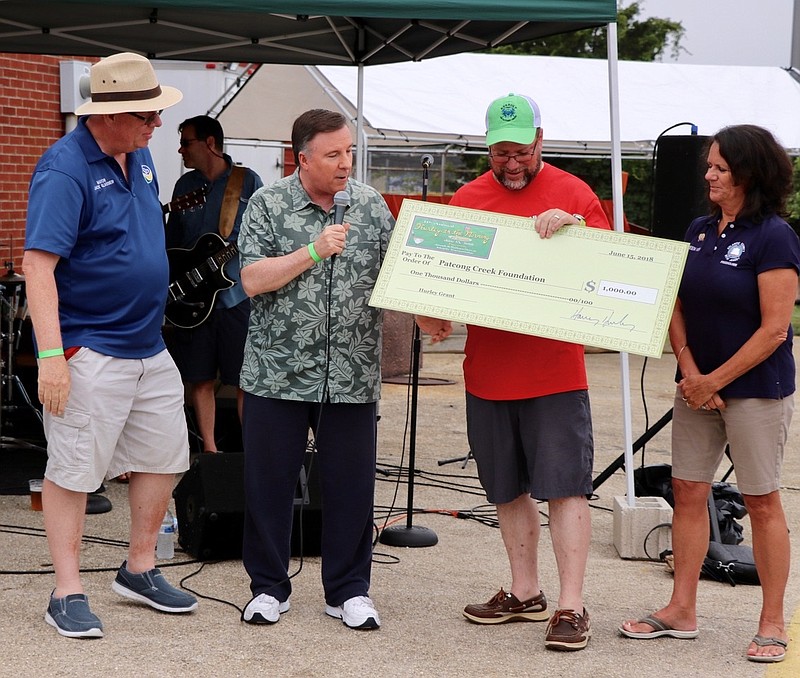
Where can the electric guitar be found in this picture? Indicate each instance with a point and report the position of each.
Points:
(196, 277)
(186, 201)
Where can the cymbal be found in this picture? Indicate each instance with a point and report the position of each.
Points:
(12, 278)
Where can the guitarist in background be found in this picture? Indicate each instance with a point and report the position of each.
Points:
(215, 347)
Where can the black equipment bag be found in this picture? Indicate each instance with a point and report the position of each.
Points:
(731, 563)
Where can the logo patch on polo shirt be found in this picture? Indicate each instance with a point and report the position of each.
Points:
(147, 173)
(735, 252)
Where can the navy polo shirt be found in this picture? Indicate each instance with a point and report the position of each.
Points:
(720, 301)
(109, 232)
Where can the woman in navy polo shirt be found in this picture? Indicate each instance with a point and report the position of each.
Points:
(732, 337)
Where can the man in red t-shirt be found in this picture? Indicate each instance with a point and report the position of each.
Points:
(528, 416)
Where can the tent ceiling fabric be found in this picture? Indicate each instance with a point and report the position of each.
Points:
(325, 32)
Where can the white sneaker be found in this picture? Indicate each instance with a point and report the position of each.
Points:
(357, 613)
(264, 609)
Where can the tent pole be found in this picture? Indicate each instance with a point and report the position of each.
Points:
(361, 137)
(619, 225)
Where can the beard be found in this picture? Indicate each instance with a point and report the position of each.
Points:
(519, 181)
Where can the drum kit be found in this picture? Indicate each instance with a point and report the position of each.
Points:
(13, 312)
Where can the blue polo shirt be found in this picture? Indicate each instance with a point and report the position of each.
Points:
(720, 300)
(109, 232)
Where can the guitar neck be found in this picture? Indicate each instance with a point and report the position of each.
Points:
(225, 255)
(187, 201)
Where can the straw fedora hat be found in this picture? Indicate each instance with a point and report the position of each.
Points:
(126, 82)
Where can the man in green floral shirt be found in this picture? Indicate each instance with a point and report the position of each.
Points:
(312, 361)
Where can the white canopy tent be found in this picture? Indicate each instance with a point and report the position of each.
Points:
(443, 100)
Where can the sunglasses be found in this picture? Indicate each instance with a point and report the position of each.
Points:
(148, 120)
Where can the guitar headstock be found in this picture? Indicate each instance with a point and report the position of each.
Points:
(187, 200)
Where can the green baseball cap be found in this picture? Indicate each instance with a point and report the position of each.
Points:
(514, 118)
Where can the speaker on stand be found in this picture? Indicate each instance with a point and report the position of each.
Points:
(679, 195)
(680, 191)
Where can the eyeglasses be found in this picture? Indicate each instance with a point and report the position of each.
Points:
(503, 158)
(148, 120)
(185, 143)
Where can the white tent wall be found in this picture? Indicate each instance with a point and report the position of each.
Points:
(443, 100)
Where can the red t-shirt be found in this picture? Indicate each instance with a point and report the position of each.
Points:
(500, 365)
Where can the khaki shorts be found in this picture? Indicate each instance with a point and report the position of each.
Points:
(122, 415)
(756, 430)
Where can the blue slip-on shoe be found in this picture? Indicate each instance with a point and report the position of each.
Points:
(71, 617)
(152, 589)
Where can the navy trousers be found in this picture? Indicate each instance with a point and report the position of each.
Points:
(275, 433)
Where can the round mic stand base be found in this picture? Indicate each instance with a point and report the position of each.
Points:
(413, 536)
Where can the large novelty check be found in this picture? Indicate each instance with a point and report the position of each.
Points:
(584, 285)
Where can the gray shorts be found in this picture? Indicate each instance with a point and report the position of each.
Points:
(122, 415)
(214, 348)
(538, 446)
(756, 430)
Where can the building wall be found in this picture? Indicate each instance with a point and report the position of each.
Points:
(30, 121)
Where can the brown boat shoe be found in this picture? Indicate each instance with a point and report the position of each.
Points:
(568, 631)
(506, 607)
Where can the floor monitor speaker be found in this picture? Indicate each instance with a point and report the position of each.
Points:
(209, 502)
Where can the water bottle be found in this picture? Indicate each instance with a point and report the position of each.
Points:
(165, 547)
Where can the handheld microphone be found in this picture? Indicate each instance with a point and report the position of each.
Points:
(341, 201)
(427, 160)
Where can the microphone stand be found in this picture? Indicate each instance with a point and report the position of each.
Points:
(409, 534)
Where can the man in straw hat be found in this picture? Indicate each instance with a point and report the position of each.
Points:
(528, 419)
(96, 273)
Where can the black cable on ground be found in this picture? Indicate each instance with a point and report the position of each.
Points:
(647, 536)
(205, 597)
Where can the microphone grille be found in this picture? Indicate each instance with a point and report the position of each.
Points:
(341, 198)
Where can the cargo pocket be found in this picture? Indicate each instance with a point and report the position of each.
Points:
(71, 436)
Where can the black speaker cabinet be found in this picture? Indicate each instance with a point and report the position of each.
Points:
(209, 501)
(679, 188)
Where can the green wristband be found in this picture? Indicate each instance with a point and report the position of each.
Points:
(51, 353)
(313, 253)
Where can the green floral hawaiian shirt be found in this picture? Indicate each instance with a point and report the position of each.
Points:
(319, 325)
